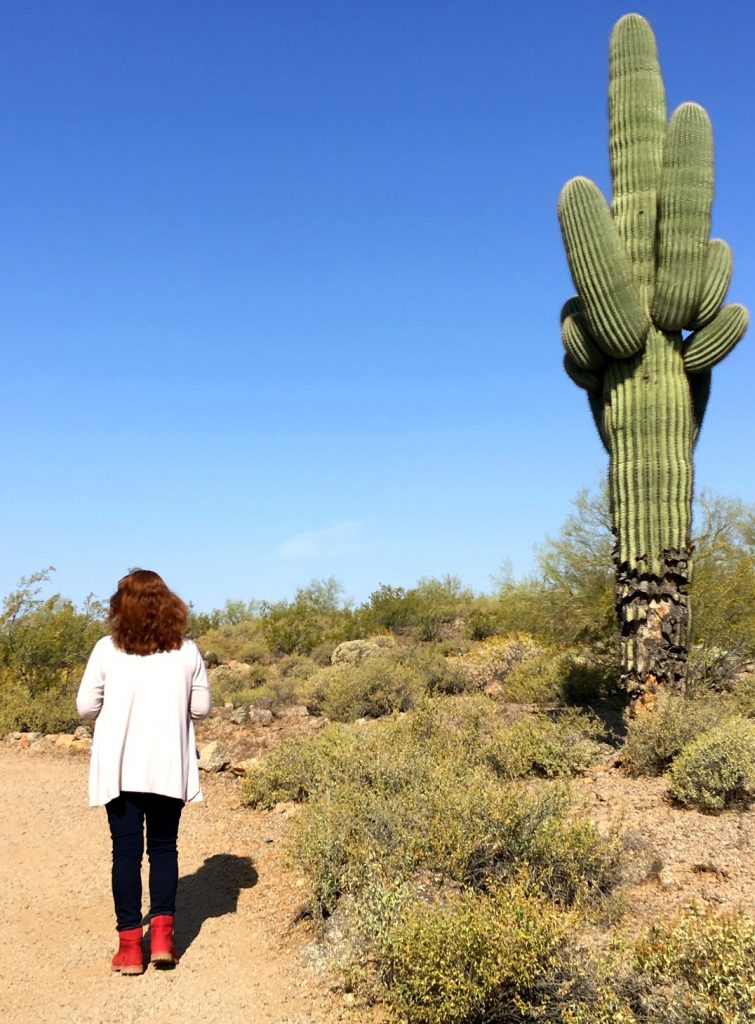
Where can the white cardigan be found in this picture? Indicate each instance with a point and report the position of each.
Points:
(144, 706)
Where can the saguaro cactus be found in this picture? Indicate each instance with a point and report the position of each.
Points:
(641, 338)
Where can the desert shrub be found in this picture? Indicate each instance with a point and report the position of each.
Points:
(552, 748)
(231, 633)
(437, 602)
(241, 641)
(448, 957)
(276, 693)
(382, 755)
(466, 727)
(456, 960)
(556, 677)
(373, 688)
(539, 680)
(406, 822)
(717, 769)
(44, 646)
(438, 671)
(461, 722)
(493, 660)
(233, 684)
(296, 667)
(315, 619)
(48, 711)
(697, 969)
(654, 740)
(743, 695)
(589, 675)
(387, 607)
(712, 669)
(354, 652)
(483, 619)
(299, 767)
(461, 826)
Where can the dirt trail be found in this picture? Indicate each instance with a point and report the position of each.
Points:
(241, 961)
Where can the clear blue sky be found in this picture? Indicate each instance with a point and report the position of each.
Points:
(280, 282)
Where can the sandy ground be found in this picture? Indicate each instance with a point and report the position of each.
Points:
(674, 858)
(244, 959)
(241, 957)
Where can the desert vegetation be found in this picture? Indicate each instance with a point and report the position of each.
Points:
(437, 826)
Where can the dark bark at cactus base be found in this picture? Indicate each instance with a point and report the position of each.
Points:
(653, 613)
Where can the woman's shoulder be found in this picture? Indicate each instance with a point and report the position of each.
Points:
(189, 650)
(104, 646)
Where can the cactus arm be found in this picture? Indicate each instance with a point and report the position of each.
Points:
(570, 307)
(601, 270)
(580, 345)
(717, 269)
(582, 377)
(637, 132)
(685, 202)
(711, 343)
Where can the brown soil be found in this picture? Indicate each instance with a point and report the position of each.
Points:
(241, 957)
(674, 857)
(244, 957)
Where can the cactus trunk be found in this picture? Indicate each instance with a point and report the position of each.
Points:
(642, 336)
(649, 426)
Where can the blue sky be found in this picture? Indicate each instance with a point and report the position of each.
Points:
(280, 282)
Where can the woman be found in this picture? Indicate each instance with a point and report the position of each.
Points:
(144, 684)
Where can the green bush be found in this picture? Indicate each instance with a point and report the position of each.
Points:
(539, 680)
(354, 652)
(48, 711)
(235, 684)
(717, 769)
(589, 676)
(493, 660)
(697, 969)
(369, 689)
(427, 608)
(387, 608)
(296, 667)
(438, 672)
(298, 768)
(411, 795)
(483, 619)
(436, 603)
(538, 745)
(743, 696)
(314, 620)
(44, 646)
(462, 958)
(533, 674)
(653, 741)
(240, 642)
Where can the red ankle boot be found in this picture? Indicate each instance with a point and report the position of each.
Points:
(129, 959)
(163, 952)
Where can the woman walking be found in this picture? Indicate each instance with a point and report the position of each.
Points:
(144, 684)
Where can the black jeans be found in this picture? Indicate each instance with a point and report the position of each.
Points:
(126, 815)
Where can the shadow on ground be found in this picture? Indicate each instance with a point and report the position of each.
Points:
(212, 891)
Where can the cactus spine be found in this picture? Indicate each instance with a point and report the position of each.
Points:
(641, 337)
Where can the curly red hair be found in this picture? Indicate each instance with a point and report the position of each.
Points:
(145, 616)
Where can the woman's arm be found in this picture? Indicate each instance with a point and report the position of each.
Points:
(92, 689)
(201, 702)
